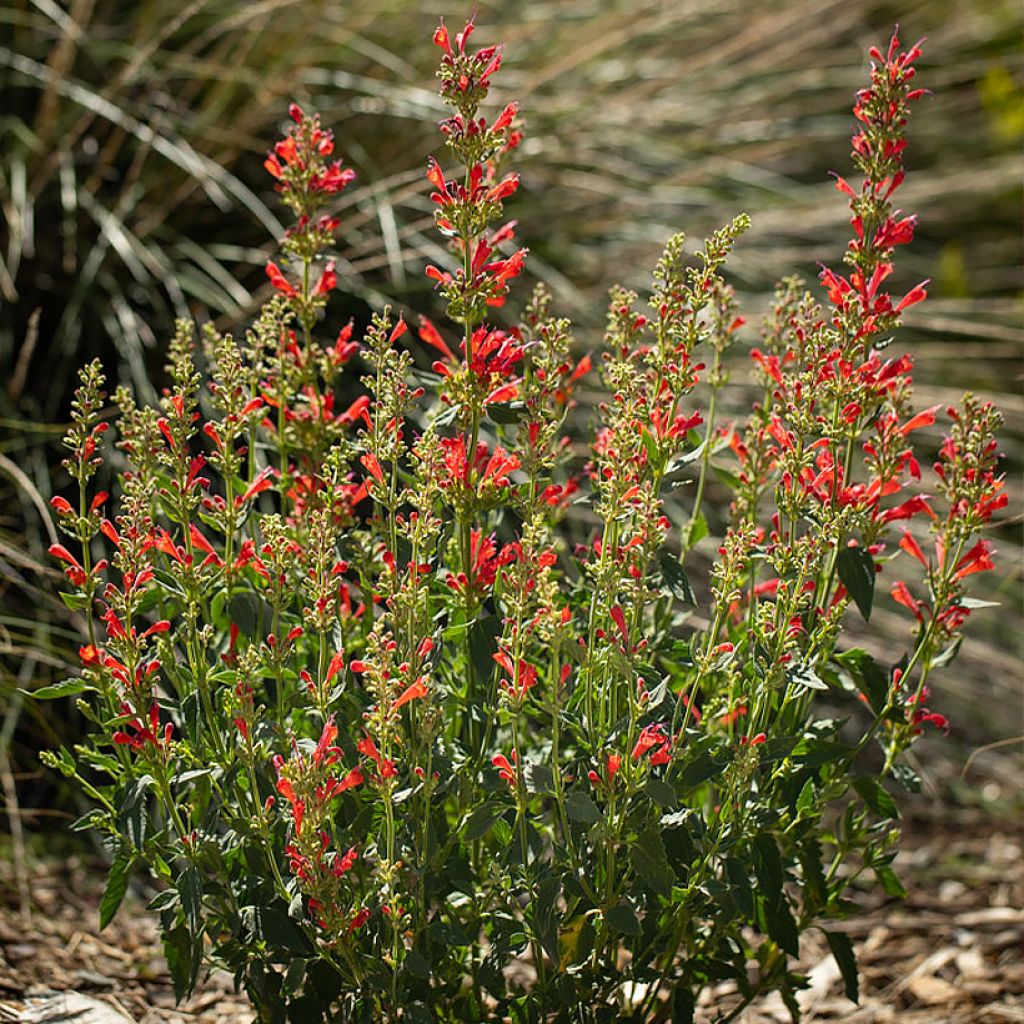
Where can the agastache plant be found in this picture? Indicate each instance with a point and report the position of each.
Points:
(401, 735)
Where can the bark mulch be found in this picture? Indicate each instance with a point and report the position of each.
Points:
(952, 953)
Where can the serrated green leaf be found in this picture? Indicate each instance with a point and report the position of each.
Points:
(538, 778)
(506, 415)
(696, 531)
(182, 960)
(131, 805)
(483, 635)
(805, 801)
(868, 676)
(703, 767)
(875, 795)
(768, 866)
(650, 863)
(190, 891)
(661, 793)
(856, 570)
(675, 577)
(802, 674)
(907, 778)
(842, 950)
(684, 1005)
(480, 822)
(163, 900)
(780, 925)
(116, 887)
(623, 919)
(890, 883)
(740, 888)
(416, 964)
(277, 929)
(725, 476)
(65, 688)
(579, 807)
(951, 651)
(244, 610)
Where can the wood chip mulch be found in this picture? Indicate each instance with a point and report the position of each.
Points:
(953, 953)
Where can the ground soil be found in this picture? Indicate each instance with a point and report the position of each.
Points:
(952, 953)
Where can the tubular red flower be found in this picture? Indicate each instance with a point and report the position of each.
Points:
(279, 281)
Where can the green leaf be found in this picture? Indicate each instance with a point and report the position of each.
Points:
(132, 810)
(244, 610)
(815, 894)
(479, 823)
(651, 864)
(580, 807)
(163, 900)
(574, 942)
(416, 964)
(190, 890)
(506, 415)
(703, 767)
(857, 573)
(675, 577)
(623, 919)
(869, 677)
(725, 476)
(538, 778)
(907, 778)
(661, 793)
(651, 447)
(740, 888)
(768, 866)
(874, 794)
(842, 950)
(976, 602)
(277, 930)
(780, 925)
(117, 886)
(684, 1006)
(65, 688)
(483, 635)
(951, 651)
(805, 801)
(696, 531)
(182, 960)
(890, 883)
(803, 674)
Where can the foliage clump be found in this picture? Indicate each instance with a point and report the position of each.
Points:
(394, 743)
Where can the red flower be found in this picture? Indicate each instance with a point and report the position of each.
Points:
(385, 768)
(74, 571)
(414, 691)
(506, 770)
(910, 508)
(522, 675)
(651, 736)
(912, 548)
(279, 281)
(328, 280)
(901, 595)
(978, 559)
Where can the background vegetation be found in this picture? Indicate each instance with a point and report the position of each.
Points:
(132, 190)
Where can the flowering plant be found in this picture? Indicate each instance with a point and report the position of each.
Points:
(410, 708)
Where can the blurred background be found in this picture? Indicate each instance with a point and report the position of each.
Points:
(132, 135)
